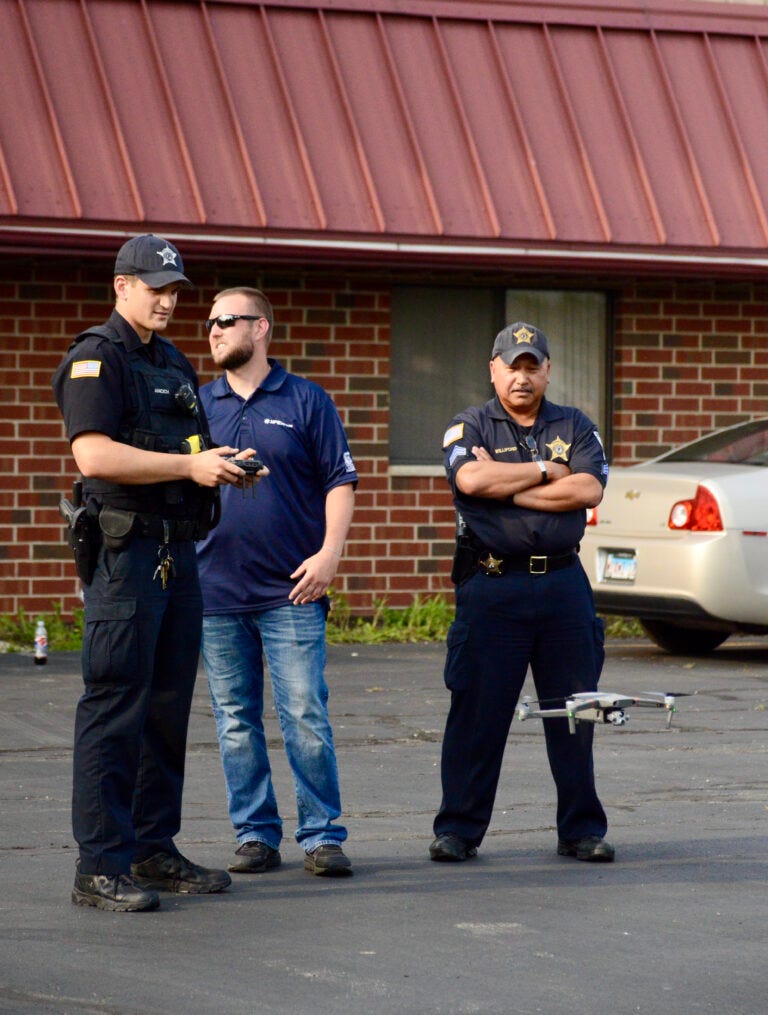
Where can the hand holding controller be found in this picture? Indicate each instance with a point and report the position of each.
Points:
(250, 466)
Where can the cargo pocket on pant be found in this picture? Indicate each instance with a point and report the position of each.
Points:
(457, 673)
(111, 647)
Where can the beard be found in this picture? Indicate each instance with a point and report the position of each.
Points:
(236, 358)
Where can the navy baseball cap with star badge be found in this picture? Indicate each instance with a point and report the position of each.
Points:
(518, 339)
(152, 259)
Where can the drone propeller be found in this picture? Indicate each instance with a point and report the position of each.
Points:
(674, 694)
(549, 701)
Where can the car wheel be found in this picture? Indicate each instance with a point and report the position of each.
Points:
(690, 641)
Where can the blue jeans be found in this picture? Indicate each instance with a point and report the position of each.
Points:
(292, 638)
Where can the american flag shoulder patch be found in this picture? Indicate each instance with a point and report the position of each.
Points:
(85, 368)
(453, 433)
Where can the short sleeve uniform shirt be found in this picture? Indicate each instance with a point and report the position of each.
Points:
(93, 385)
(562, 434)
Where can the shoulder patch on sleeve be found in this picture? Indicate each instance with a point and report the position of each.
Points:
(85, 368)
(458, 452)
(453, 433)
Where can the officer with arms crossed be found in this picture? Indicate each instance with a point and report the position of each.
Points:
(129, 402)
(522, 471)
(265, 573)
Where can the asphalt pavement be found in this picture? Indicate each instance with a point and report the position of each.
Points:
(675, 925)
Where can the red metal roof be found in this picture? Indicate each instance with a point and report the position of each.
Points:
(600, 132)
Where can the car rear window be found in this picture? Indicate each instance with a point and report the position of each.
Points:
(742, 445)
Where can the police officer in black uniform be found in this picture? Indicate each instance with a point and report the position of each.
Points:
(129, 402)
(522, 471)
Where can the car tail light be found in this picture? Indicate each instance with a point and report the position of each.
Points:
(698, 515)
(592, 516)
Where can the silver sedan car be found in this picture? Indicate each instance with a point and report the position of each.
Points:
(681, 541)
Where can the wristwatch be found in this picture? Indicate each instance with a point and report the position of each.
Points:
(542, 466)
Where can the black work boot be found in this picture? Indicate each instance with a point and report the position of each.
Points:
(172, 872)
(451, 848)
(591, 848)
(116, 892)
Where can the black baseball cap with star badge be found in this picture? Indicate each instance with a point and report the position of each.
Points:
(519, 339)
(152, 259)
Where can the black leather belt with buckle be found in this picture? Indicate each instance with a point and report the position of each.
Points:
(174, 529)
(494, 566)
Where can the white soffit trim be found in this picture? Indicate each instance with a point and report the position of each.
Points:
(408, 247)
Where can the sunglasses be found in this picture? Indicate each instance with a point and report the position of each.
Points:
(530, 443)
(229, 320)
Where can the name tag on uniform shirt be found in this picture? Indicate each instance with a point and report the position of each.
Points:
(85, 368)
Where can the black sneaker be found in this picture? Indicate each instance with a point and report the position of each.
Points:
(116, 892)
(451, 848)
(329, 862)
(254, 857)
(172, 872)
(591, 848)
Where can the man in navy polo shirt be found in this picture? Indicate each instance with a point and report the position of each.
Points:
(522, 471)
(265, 573)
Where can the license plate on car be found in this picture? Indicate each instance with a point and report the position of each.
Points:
(620, 566)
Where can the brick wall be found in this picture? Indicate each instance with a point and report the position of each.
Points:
(689, 357)
(329, 327)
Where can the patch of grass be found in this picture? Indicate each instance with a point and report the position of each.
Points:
(425, 620)
(622, 627)
(17, 632)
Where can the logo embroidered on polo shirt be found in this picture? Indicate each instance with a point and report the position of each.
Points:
(85, 368)
(349, 465)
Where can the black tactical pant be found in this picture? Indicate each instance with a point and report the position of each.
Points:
(503, 625)
(140, 656)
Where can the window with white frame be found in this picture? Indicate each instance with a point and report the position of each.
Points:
(441, 340)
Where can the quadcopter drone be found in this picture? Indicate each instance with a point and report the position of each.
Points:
(598, 706)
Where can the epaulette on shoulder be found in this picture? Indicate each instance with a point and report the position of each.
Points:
(100, 331)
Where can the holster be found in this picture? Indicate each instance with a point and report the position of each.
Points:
(84, 537)
(117, 527)
(465, 560)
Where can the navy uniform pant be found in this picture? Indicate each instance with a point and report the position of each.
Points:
(503, 625)
(141, 646)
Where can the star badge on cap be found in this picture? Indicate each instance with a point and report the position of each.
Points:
(168, 255)
(523, 335)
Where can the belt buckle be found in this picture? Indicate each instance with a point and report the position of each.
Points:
(533, 569)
